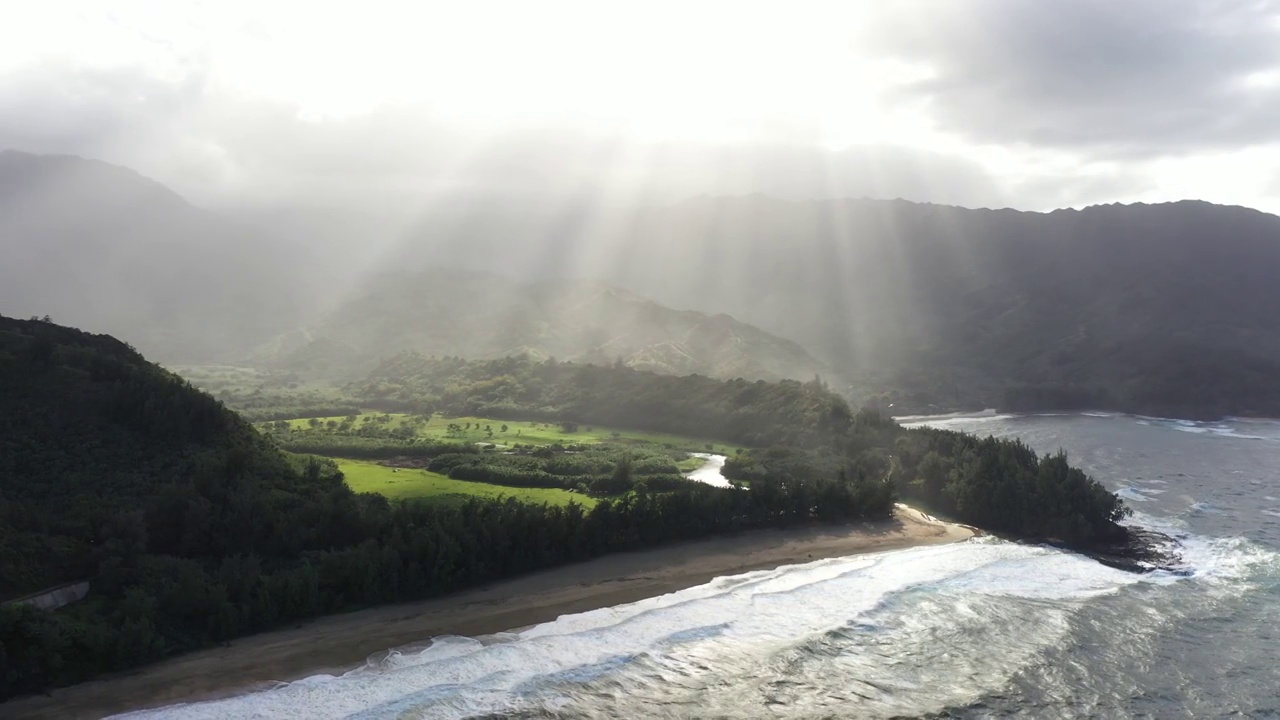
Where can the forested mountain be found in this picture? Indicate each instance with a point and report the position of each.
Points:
(1162, 309)
(481, 315)
(1158, 309)
(101, 247)
(90, 433)
(192, 528)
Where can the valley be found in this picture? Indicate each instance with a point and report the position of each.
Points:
(1156, 309)
(592, 360)
(194, 527)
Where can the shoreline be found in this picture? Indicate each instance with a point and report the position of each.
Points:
(992, 413)
(337, 643)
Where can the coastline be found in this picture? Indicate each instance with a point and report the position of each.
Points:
(912, 419)
(336, 643)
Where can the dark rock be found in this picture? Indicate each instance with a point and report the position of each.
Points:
(1139, 550)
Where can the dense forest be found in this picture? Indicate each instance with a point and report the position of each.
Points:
(192, 528)
(799, 431)
(737, 411)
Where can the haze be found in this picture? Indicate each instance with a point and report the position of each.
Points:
(482, 347)
(711, 188)
(379, 107)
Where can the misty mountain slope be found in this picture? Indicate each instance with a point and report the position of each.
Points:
(1161, 309)
(482, 316)
(100, 247)
(1154, 308)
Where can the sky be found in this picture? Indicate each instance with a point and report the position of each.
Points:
(992, 103)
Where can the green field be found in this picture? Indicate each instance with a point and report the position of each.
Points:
(475, 429)
(409, 483)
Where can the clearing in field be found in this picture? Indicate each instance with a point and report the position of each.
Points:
(406, 483)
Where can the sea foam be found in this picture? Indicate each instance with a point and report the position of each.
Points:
(703, 637)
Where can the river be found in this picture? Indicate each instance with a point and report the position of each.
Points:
(709, 473)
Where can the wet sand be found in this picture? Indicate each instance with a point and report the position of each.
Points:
(338, 643)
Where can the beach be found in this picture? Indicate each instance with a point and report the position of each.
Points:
(335, 644)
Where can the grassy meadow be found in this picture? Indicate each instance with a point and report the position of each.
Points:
(348, 437)
(411, 483)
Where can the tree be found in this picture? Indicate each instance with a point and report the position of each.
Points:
(622, 472)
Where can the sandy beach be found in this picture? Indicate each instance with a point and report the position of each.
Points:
(338, 643)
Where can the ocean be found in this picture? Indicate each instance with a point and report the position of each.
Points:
(982, 629)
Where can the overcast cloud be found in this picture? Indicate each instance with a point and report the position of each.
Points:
(1112, 79)
(982, 103)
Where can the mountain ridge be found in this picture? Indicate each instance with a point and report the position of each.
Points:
(1153, 308)
(483, 316)
(938, 307)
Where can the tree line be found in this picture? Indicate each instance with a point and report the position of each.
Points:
(193, 528)
(756, 413)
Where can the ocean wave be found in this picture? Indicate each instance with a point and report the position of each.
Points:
(708, 640)
(1219, 561)
(1227, 427)
(1137, 494)
(1235, 428)
(988, 414)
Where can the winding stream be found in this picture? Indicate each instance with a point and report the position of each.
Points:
(709, 473)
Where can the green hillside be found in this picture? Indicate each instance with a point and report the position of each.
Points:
(192, 528)
(1162, 309)
(93, 442)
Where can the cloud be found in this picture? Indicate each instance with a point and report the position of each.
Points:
(1132, 78)
(218, 146)
(55, 107)
(1129, 184)
(992, 103)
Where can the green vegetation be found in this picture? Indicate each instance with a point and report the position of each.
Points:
(998, 485)
(193, 529)
(417, 483)
(801, 432)
(260, 395)
(604, 469)
(690, 464)
(488, 453)
(1158, 309)
(1003, 486)
(734, 412)
(313, 434)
